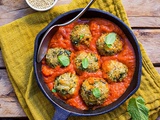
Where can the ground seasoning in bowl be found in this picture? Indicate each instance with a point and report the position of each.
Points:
(41, 5)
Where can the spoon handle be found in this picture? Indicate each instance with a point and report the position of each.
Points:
(79, 15)
(46, 38)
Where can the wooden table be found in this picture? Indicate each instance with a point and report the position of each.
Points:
(144, 17)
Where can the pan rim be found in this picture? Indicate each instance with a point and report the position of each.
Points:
(97, 111)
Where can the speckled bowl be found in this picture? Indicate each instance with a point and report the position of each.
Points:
(43, 9)
(64, 110)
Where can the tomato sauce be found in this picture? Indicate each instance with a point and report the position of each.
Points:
(97, 26)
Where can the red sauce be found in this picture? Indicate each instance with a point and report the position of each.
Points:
(97, 27)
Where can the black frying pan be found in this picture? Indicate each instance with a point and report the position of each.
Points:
(63, 110)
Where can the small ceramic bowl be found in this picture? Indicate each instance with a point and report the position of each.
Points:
(41, 5)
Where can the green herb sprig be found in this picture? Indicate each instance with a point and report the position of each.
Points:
(54, 91)
(85, 63)
(110, 39)
(137, 109)
(81, 36)
(96, 92)
(64, 60)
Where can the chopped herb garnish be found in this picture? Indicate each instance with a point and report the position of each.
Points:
(81, 36)
(137, 109)
(85, 63)
(68, 52)
(96, 92)
(64, 60)
(110, 39)
(53, 90)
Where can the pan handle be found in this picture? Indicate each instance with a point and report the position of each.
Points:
(60, 114)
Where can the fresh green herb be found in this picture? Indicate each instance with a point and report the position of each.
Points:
(110, 39)
(137, 109)
(96, 92)
(85, 63)
(81, 36)
(64, 60)
(53, 90)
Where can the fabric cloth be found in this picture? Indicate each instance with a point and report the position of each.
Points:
(17, 44)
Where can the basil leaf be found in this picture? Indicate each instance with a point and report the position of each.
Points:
(137, 109)
(96, 92)
(53, 90)
(85, 63)
(110, 39)
(81, 36)
(109, 45)
(64, 60)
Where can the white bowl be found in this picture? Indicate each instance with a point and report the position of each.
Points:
(41, 9)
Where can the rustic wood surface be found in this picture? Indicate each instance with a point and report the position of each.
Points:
(144, 17)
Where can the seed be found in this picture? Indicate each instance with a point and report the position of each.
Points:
(41, 4)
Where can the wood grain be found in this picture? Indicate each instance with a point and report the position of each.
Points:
(9, 105)
(150, 39)
(142, 8)
(10, 12)
(143, 15)
(144, 22)
(1, 61)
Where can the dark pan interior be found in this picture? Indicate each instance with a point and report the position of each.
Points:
(91, 13)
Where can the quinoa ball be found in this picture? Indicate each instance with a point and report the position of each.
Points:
(114, 70)
(81, 35)
(52, 56)
(94, 91)
(93, 64)
(66, 85)
(103, 48)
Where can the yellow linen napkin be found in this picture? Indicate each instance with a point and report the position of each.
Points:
(17, 42)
